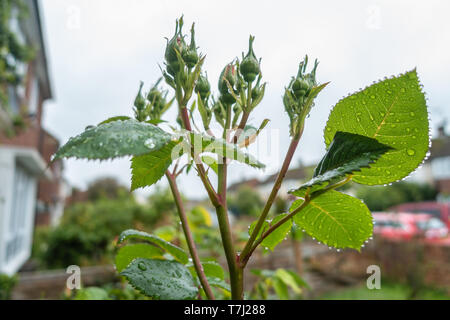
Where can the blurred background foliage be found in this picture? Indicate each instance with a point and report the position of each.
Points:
(88, 228)
(245, 201)
(381, 198)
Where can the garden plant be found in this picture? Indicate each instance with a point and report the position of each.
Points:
(376, 136)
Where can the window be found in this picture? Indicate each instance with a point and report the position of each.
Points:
(34, 97)
(433, 223)
(13, 100)
(17, 229)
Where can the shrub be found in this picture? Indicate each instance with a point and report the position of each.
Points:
(7, 283)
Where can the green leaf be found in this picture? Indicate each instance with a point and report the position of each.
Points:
(213, 269)
(128, 253)
(178, 253)
(394, 112)
(336, 219)
(166, 232)
(161, 279)
(300, 282)
(280, 288)
(347, 154)
(115, 139)
(219, 283)
(288, 279)
(203, 143)
(273, 239)
(147, 169)
(114, 119)
(155, 121)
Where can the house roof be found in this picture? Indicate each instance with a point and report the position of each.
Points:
(440, 146)
(32, 27)
(292, 174)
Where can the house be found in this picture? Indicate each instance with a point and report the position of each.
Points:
(292, 180)
(435, 171)
(32, 190)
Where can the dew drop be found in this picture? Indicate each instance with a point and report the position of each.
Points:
(142, 266)
(410, 152)
(149, 143)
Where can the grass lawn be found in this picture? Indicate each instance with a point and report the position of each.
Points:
(388, 291)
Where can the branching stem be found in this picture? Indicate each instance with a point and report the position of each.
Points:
(276, 187)
(188, 235)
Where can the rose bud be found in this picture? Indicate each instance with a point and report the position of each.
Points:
(190, 55)
(139, 101)
(250, 66)
(203, 87)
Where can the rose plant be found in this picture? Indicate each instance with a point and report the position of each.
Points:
(375, 136)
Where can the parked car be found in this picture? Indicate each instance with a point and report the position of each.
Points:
(406, 226)
(436, 209)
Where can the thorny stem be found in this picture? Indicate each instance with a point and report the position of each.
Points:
(272, 228)
(293, 213)
(201, 170)
(246, 253)
(224, 224)
(245, 114)
(189, 239)
(219, 202)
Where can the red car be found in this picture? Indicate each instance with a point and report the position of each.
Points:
(436, 209)
(406, 226)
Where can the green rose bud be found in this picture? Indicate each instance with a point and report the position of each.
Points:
(250, 66)
(256, 93)
(299, 95)
(139, 101)
(228, 73)
(202, 87)
(190, 56)
(175, 44)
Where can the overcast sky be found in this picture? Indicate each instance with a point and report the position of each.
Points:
(99, 50)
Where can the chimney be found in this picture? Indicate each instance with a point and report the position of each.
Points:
(441, 131)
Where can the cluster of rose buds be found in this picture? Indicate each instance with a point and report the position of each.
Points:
(240, 87)
(154, 105)
(183, 64)
(299, 95)
(236, 89)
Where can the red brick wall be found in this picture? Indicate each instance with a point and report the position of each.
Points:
(34, 136)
